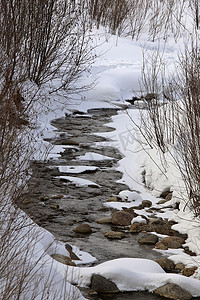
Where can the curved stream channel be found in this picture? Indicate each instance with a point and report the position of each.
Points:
(83, 204)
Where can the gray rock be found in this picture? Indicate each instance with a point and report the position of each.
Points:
(148, 239)
(102, 285)
(121, 218)
(173, 291)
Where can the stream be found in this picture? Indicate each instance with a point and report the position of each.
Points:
(59, 205)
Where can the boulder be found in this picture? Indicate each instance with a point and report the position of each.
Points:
(102, 285)
(114, 235)
(165, 263)
(146, 203)
(173, 291)
(179, 266)
(189, 271)
(63, 259)
(122, 218)
(148, 239)
(160, 226)
(83, 228)
(173, 242)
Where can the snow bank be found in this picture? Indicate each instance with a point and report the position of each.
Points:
(135, 274)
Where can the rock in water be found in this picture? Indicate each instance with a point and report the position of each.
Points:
(121, 218)
(173, 291)
(83, 228)
(148, 239)
(102, 285)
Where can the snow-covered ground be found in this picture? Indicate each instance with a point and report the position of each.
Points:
(117, 73)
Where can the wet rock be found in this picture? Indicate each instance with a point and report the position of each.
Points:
(135, 228)
(107, 220)
(63, 259)
(189, 271)
(146, 203)
(102, 285)
(148, 239)
(173, 291)
(83, 228)
(179, 266)
(173, 242)
(165, 263)
(121, 218)
(114, 235)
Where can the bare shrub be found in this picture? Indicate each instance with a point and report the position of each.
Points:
(40, 41)
(175, 124)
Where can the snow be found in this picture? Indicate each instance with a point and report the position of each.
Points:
(135, 274)
(76, 169)
(79, 181)
(93, 156)
(138, 219)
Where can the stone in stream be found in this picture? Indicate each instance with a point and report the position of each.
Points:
(146, 203)
(165, 263)
(135, 228)
(160, 246)
(189, 271)
(122, 218)
(114, 235)
(63, 259)
(173, 291)
(148, 239)
(173, 242)
(106, 220)
(102, 285)
(71, 253)
(83, 228)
